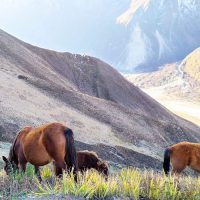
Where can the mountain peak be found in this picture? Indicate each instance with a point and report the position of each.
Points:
(126, 17)
(168, 31)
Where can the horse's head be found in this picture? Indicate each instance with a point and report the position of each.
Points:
(10, 162)
(9, 166)
(102, 167)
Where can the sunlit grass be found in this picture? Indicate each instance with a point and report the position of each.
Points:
(130, 183)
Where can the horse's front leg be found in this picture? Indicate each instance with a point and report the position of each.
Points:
(22, 166)
(22, 162)
(37, 172)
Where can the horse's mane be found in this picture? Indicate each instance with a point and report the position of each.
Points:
(12, 153)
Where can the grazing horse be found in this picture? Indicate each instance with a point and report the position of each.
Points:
(181, 155)
(89, 159)
(40, 146)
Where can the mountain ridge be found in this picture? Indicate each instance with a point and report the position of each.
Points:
(168, 37)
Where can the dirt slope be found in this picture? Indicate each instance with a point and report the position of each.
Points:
(106, 112)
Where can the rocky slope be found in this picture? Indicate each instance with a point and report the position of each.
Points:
(107, 113)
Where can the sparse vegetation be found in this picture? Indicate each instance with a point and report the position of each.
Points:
(130, 183)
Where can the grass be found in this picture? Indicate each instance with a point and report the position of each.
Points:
(126, 183)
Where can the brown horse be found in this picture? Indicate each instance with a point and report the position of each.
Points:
(40, 146)
(182, 155)
(89, 159)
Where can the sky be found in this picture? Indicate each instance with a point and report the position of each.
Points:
(29, 20)
(62, 25)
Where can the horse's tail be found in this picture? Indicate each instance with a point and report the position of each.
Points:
(166, 163)
(70, 150)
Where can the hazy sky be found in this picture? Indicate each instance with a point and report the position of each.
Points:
(30, 20)
(63, 25)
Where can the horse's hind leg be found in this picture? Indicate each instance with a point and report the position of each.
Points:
(37, 172)
(179, 162)
(178, 168)
(59, 167)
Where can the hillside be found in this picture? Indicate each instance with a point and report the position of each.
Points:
(191, 67)
(107, 113)
(176, 86)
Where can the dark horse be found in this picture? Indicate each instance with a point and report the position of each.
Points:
(89, 159)
(40, 146)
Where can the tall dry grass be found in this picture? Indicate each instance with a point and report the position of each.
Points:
(129, 183)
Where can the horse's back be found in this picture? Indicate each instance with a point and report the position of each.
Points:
(181, 150)
(185, 147)
(47, 132)
(42, 143)
(87, 158)
(187, 153)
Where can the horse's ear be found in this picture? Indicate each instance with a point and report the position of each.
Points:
(5, 159)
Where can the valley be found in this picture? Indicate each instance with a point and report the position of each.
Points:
(176, 86)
